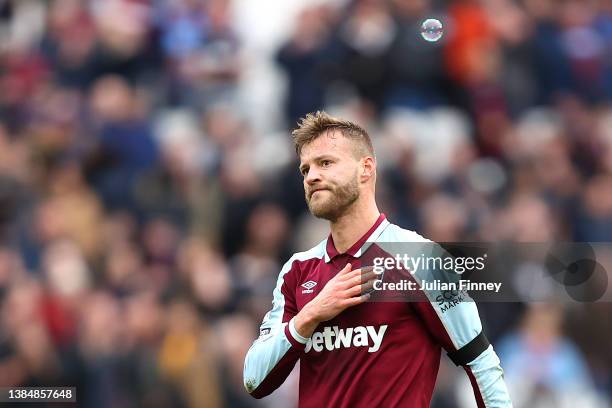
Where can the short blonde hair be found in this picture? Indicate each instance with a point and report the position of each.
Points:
(315, 124)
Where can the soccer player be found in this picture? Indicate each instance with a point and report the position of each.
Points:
(354, 352)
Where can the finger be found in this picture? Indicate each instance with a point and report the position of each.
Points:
(350, 292)
(356, 280)
(365, 269)
(365, 286)
(349, 275)
(357, 290)
(366, 277)
(350, 281)
(356, 300)
(368, 285)
(347, 268)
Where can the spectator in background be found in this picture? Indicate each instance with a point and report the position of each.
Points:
(544, 368)
(125, 146)
(363, 40)
(417, 78)
(308, 62)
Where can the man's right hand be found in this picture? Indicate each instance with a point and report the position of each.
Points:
(341, 292)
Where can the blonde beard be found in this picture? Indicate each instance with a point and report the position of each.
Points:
(340, 200)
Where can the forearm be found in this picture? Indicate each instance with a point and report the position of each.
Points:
(488, 380)
(269, 361)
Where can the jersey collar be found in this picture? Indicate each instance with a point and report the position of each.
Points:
(362, 244)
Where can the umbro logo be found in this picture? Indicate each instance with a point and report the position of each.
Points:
(308, 286)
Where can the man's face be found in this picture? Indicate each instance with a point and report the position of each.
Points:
(330, 171)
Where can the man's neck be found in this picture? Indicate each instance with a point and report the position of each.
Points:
(350, 227)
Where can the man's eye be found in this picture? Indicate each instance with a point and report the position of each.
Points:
(326, 163)
(304, 172)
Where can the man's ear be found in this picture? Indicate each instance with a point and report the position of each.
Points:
(368, 167)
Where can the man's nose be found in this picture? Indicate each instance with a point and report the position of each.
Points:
(313, 177)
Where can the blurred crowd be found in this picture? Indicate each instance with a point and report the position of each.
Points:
(149, 193)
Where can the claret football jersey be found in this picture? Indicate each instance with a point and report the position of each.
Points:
(380, 353)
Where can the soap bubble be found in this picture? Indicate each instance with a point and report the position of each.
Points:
(432, 30)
